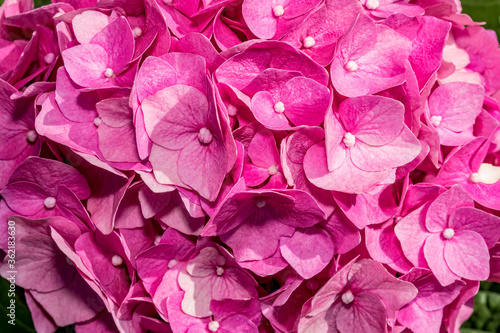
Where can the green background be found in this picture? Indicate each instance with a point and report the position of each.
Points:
(486, 316)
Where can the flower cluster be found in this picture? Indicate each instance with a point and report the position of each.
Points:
(249, 166)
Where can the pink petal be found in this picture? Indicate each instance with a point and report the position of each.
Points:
(434, 251)
(486, 225)
(263, 109)
(458, 112)
(374, 120)
(347, 178)
(367, 314)
(403, 149)
(308, 251)
(412, 234)
(306, 101)
(467, 255)
(118, 41)
(444, 205)
(86, 64)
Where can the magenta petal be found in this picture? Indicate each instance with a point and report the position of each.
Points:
(467, 255)
(366, 315)
(118, 41)
(441, 208)
(434, 249)
(306, 101)
(259, 17)
(263, 105)
(262, 149)
(347, 178)
(87, 24)
(76, 302)
(25, 198)
(86, 64)
(412, 234)
(247, 242)
(403, 149)
(486, 225)
(210, 161)
(308, 251)
(374, 120)
(458, 103)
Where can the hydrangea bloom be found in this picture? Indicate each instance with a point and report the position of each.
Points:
(248, 166)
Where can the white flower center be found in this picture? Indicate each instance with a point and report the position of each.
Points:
(448, 233)
(31, 136)
(109, 73)
(97, 121)
(49, 202)
(172, 263)
(351, 66)
(436, 120)
(278, 11)
(308, 42)
(487, 174)
(213, 326)
(116, 260)
(219, 270)
(372, 4)
(232, 110)
(349, 140)
(273, 169)
(205, 136)
(137, 32)
(260, 202)
(49, 58)
(279, 107)
(347, 297)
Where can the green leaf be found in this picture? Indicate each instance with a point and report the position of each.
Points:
(484, 11)
(23, 321)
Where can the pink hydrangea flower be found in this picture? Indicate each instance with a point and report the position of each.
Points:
(450, 236)
(360, 297)
(364, 143)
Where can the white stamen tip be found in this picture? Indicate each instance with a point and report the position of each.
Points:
(97, 121)
(219, 271)
(279, 107)
(31, 136)
(448, 233)
(49, 202)
(213, 326)
(347, 297)
(308, 42)
(273, 169)
(372, 4)
(351, 66)
(49, 58)
(232, 110)
(278, 11)
(109, 73)
(260, 203)
(157, 239)
(205, 136)
(116, 260)
(172, 263)
(349, 140)
(137, 32)
(487, 174)
(475, 178)
(436, 120)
